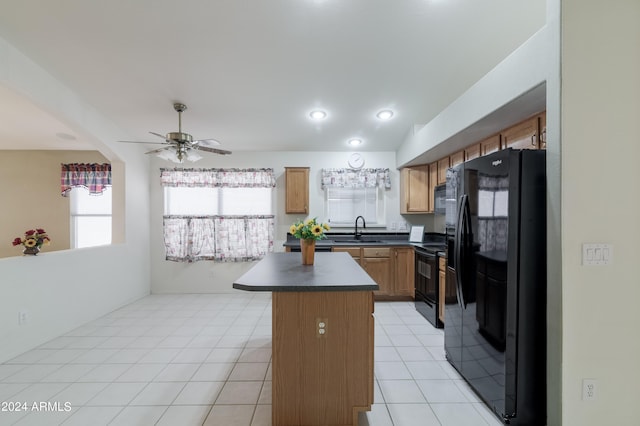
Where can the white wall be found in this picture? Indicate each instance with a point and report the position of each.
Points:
(523, 70)
(600, 104)
(64, 289)
(32, 199)
(207, 276)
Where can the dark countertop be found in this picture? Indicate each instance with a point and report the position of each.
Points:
(285, 272)
(431, 240)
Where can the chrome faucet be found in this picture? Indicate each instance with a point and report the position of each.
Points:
(364, 226)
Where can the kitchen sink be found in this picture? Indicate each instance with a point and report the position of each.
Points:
(365, 241)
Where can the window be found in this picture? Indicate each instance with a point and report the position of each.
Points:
(343, 205)
(351, 193)
(90, 218)
(493, 204)
(218, 214)
(217, 201)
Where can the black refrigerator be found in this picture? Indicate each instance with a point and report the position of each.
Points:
(495, 329)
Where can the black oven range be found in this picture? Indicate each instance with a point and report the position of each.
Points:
(427, 283)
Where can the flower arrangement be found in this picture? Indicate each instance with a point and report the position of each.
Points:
(309, 229)
(33, 238)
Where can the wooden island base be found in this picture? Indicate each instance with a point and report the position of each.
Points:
(323, 327)
(322, 378)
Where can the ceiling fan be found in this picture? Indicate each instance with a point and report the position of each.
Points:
(181, 146)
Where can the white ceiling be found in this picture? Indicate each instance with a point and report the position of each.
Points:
(250, 71)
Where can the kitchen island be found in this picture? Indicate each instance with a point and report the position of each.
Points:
(323, 327)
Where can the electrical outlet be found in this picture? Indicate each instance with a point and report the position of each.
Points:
(588, 389)
(23, 317)
(321, 327)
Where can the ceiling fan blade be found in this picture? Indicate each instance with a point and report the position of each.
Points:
(158, 150)
(153, 143)
(158, 135)
(206, 142)
(214, 150)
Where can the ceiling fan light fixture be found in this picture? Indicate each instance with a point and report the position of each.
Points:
(192, 155)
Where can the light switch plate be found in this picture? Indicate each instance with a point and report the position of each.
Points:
(597, 254)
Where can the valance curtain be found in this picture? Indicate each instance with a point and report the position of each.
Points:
(95, 177)
(222, 238)
(213, 178)
(349, 178)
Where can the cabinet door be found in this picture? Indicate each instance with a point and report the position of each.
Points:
(472, 152)
(404, 276)
(442, 282)
(522, 136)
(543, 130)
(415, 190)
(443, 165)
(490, 145)
(297, 190)
(433, 182)
(455, 159)
(379, 269)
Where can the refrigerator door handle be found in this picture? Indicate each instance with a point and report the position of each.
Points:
(466, 247)
(458, 249)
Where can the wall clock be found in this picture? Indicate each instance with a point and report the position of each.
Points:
(356, 160)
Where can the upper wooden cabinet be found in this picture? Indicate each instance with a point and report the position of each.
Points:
(455, 159)
(415, 190)
(443, 165)
(297, 190)
(433, 182)
(490, 145)
(523, 135)
(472, 152)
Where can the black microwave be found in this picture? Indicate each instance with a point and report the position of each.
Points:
(439, 199)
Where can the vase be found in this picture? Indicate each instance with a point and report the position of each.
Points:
(308, 249)
(31, 250)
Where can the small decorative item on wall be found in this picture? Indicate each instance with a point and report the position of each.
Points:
(309, 232)
(32, 241)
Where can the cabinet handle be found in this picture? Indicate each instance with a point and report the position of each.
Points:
(533, 139)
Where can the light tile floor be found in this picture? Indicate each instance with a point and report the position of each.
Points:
(199, 359)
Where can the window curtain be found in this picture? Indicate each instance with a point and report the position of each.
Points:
(216, 178)
(349, 178)
(95, 177)
(218, 237)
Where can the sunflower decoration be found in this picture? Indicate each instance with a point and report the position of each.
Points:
(309, 229)
(32, 238)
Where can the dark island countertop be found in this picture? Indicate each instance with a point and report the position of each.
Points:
(285, 272)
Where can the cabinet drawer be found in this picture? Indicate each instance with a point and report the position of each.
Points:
(442, 263)
(353, 251)
(376, 252)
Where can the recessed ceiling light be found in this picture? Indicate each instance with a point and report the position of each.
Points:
(318, 115)
(355, 142)
(385, 114)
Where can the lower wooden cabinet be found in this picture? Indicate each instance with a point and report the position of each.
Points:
(442, 286)
(392, 268)
(404, 272)
(379, 268)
